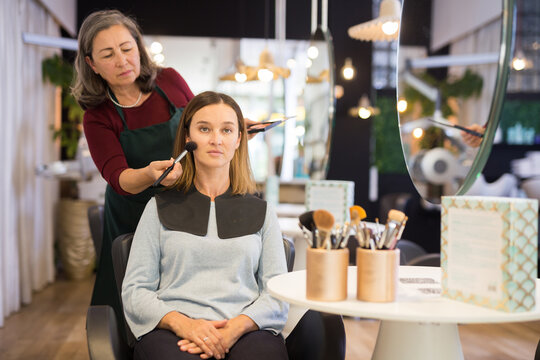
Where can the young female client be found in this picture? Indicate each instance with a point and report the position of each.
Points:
(195, 284)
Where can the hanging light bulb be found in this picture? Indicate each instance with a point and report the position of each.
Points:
(265, 75)
(364, 110)
(402, 105)
(390, 27)
(312, 52)
(383, 28)
(348, 71)
(418, 133)
(159, 58)
(291, 63)
(364, 113)
(240, 77)
(519, 62)
(156, 47)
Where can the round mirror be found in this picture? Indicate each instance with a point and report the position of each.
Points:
(452, 73)
(319, 103)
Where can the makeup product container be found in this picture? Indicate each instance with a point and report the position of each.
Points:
(326, 272)
(378, 272)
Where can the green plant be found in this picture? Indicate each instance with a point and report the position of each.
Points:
(470, 84)
(60, 73)
(388, 153)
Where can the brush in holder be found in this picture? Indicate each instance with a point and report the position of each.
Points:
(326, 272)
(377, 277)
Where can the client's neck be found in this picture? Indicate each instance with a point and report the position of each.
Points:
(211, 185)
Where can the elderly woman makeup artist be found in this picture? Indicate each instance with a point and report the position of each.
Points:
(195, 284)
(132, 110)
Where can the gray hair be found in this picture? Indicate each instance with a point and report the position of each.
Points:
(90, 89)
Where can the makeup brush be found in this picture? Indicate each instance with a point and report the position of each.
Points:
(357, 215)
(462, 128)
(306, 235)
(395, 218)
(306, 219)
(324, 221)
(396, 238)
(190, 147)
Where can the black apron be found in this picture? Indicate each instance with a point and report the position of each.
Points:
(122, 212)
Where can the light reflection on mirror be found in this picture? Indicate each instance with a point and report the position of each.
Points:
(440, 95)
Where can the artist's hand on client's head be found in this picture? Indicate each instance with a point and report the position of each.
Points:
(204, 339)
(472, 140)
(156, 169)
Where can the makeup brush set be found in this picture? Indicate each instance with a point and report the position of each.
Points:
(321, 232)
(387, 238)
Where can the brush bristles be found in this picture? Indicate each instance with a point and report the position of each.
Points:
(361, 212)
(396, 215)
(323, 220)
(306, 219)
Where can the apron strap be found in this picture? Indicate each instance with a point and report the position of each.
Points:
(172, 108)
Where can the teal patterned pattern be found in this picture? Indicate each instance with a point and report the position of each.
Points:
(520, 251)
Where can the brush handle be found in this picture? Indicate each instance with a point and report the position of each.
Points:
(169, 169)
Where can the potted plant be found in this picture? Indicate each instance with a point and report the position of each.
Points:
(75, 244)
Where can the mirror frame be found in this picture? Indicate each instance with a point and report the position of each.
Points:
(321, 34)
(503, 69)
(494, 117)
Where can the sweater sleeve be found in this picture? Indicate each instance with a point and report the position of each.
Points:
(142, 308)
(105, 147)
(102, 126)
(266, 311)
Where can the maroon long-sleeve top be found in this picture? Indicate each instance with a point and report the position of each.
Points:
(103, 125)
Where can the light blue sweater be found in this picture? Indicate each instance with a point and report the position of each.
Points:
(202, 277)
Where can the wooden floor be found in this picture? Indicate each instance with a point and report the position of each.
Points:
(53, 327)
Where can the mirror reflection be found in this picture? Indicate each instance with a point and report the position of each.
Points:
(446, 89)
(300, 87)
(318, 98)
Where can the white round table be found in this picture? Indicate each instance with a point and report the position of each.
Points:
(419, 325)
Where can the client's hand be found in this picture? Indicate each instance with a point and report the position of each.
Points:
(203, 333)
(231, 332)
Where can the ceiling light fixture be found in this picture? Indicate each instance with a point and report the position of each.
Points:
(348, 71)
(383, 28)
(364, 110)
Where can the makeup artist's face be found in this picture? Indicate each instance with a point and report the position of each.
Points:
(214, 128)
(115, 56)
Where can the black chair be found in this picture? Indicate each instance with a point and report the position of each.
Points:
(95, 221)
(317, 336)
(408, 251)
(426, 260)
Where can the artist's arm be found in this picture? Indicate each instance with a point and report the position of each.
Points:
(470, 139)
(134, 181)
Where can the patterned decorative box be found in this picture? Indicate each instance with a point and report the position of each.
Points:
(489, 251)
(332, 195)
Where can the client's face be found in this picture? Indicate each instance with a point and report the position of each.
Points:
(214, 128)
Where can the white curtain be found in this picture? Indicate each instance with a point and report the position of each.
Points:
(27, 108)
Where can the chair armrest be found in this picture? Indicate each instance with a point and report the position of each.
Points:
(103, 335)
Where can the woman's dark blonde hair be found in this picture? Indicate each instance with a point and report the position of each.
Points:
(240, 174)
(90, 88)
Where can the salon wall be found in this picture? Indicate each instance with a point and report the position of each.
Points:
(246, 19)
